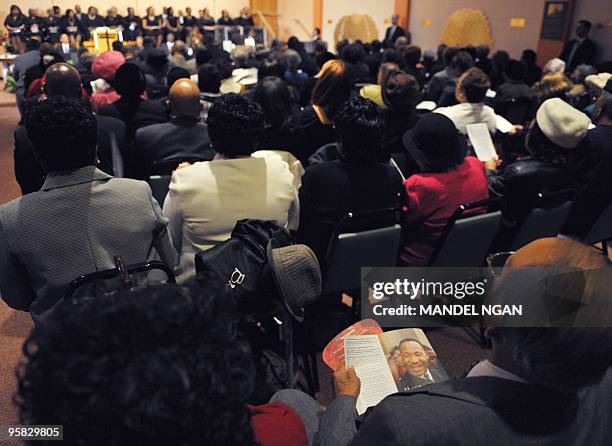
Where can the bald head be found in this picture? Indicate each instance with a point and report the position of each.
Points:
(62, 79)
(556, 252)
(184, 98)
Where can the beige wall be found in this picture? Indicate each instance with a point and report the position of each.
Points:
(499, 12)
(289, 11)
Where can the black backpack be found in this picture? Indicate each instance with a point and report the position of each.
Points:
(240, 263)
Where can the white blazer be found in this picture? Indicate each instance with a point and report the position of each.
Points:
(206, 200)
(469, 113)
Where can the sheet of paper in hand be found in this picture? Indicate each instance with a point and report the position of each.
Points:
(480, 138)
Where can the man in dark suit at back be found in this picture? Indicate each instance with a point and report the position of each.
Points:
(63, 80)
(68, 51)
(161, 147)
(393, 32)
(580, 50)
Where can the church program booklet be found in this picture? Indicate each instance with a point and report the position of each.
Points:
(398, 360)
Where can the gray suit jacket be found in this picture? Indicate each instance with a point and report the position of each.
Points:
(474, 411)
(75, 225)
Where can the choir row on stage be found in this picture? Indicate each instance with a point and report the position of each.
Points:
(77, 24)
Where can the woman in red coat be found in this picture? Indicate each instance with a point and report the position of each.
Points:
(447, 180)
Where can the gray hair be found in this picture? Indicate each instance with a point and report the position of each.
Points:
(291, 59)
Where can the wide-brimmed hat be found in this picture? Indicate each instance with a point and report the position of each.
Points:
(241, 79)
(297, 275)
(434, 142)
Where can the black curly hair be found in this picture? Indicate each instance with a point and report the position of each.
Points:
(64, 133)
(360, 128)
(161, 365)
(235, 125)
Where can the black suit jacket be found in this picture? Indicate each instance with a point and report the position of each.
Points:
(135, 114)
(585, 53)
(480, 411)
(28, 171)
(408, 381)
(180, 139)
(391, 35)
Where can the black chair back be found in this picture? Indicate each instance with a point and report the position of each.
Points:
(545, 219)
(515, 110)
(369, 238)
(116, 157)
(467, 239)
(159, 187)
(602, 229)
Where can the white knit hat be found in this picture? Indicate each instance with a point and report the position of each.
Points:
(562, 123)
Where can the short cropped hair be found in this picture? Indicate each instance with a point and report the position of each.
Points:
(353, 53)
(462, 61)
(64, 133)
(235, 125)
(360, 127)
(270, 67)
(529, 56)
(209, 78)
(403, 341)
(412, 55)
(159, 365)
(291, 59)
(474, 84)
(202, 56)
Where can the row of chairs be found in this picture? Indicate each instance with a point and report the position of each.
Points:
(466, 239)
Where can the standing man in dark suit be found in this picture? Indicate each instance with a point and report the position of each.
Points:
(162, 147)
(580, 50)
(393, 32)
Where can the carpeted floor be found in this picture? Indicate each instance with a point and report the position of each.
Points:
(14, 325)
(454, 346)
